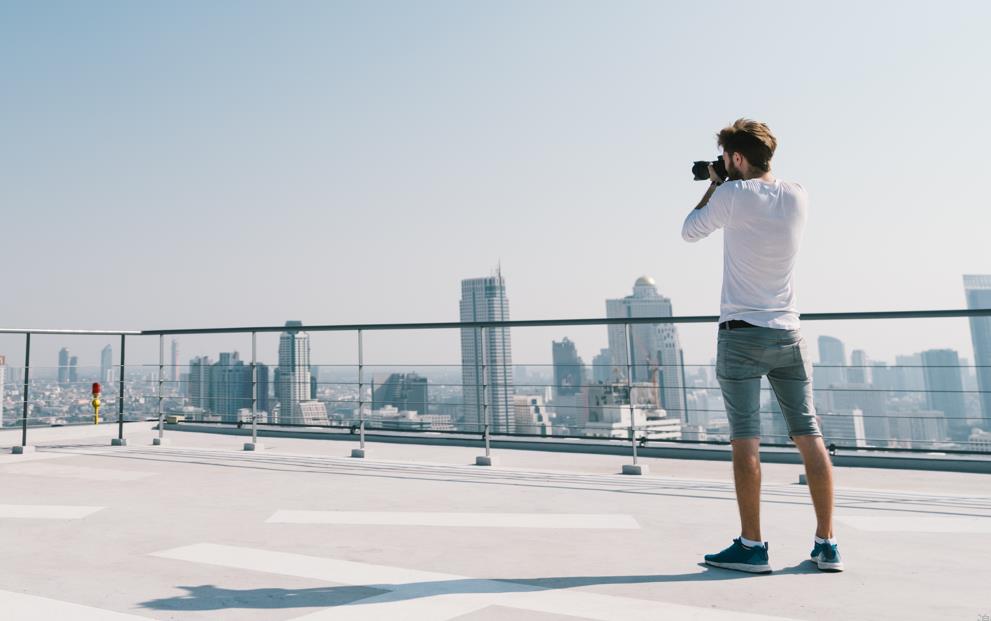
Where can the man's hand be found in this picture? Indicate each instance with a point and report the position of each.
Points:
(716, 179)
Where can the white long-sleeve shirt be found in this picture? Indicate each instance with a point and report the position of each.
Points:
(763, 225)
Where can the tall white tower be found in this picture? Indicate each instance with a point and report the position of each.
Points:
(484, 299)
(174, 375)
(107, 365)
(977, 288)
(293, 380)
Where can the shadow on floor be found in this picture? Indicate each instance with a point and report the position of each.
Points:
(210, 597)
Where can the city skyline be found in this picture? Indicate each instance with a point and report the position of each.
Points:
(928, 396)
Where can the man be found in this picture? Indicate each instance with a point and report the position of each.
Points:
(759, 335)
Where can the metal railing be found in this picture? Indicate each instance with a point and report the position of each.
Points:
(364, 418)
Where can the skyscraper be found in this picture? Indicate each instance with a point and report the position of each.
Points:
(293, 377)
(657, 355)
(832, 361)
(73, 369)
(857, 373)
(261, 379)
(63, 366)
(882, 377)
(978, 291)
(484, 299)
(944, 389)
(174, 373)
(107, 365)
(230, 386)
(602, 367)
(403, 391)
(909, 376)
(199, 382)
(569, 370)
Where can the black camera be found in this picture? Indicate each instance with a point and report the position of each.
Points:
(701, 170)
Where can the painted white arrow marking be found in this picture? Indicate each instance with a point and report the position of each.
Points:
(47, 512)
(917, 524)
(75, 472)
(24, 607)
(478, 520)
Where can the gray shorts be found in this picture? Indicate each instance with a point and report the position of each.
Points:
(745, 355)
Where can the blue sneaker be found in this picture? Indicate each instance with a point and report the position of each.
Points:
(741, 558)
(828, 558)
(816, 549)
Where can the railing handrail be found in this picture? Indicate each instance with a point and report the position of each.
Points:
(536, 323)
(524, 323)
(59, 331)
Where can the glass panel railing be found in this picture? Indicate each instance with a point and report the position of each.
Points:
(926, 386)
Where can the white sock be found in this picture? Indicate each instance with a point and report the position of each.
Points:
(831, 541)
(749, 543)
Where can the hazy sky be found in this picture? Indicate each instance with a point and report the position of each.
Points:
(180, 164)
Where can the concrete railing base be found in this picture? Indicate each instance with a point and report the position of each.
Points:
(635, 469)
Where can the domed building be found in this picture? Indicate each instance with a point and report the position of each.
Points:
(657, 356)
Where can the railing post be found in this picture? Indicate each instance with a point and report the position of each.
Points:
(684, 389)
(160, 440)
(360, 452)
(119, 440)
(633, 468)
(254, 445)
(485, 460)
(24, 448)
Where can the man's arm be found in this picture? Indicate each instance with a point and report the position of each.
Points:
(711, 213)
(708, 195)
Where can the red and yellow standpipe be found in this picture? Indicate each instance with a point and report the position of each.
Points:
(96, 403)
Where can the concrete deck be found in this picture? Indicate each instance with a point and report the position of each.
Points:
(203, 530)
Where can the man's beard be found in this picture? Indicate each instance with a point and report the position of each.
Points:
(733, 172)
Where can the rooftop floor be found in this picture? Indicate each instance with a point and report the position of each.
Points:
(202, 530)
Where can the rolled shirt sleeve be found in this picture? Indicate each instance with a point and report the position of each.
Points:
(715, 215)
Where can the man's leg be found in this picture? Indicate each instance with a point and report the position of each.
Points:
(819, 473)
(792, 385)
(746, 476)
(738, 369)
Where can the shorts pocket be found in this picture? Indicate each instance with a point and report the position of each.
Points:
(738, 359)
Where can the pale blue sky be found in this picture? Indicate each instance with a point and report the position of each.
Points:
(226, 163)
